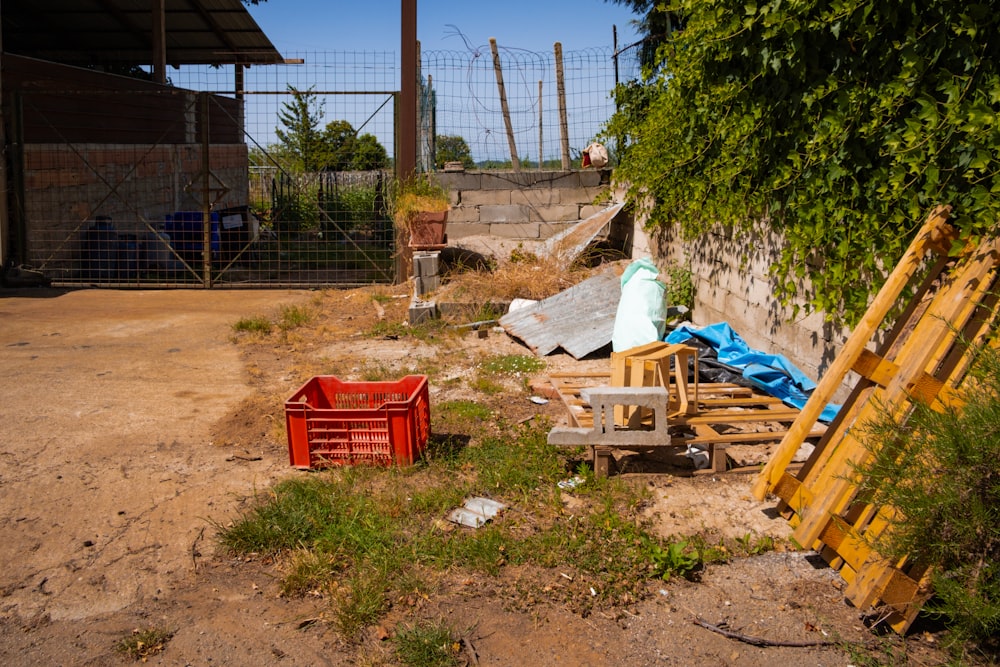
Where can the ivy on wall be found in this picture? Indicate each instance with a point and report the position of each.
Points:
(841, 123)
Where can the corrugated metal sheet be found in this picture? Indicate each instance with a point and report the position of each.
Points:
(580, 319)
(569, 244)
(119, 32)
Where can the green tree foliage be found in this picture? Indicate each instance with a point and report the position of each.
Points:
(841, 122)
(335, 147)
(941, 470)
(452, 148)
(301, 137)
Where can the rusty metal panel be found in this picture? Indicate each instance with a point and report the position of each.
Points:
(580, 319)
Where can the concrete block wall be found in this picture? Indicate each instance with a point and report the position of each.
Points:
(733, 284)
(64, 190)
(530, 205)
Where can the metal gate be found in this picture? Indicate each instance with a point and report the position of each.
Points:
(147, 186)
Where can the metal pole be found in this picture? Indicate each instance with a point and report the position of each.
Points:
(206, 203)
(540, 150)
(503, 106)
(563, 122)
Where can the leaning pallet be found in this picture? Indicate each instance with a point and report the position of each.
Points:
(925, 355)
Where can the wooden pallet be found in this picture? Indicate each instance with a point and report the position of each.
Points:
(922, 356)
(704, 415)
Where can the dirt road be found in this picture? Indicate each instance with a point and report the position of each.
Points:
(108, 482)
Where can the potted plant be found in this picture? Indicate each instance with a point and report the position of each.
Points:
(421, 213)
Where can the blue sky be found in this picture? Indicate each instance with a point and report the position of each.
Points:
(373, 25)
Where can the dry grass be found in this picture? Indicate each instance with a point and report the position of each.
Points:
(523, 276)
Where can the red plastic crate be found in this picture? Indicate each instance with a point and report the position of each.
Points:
(333, 422)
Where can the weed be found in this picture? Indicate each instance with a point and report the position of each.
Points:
(427, 645)
(309, 570)
(680, 286)
(752, 544)
(463, 411)
(293, 317)
(361, 602)
(679, 559)
(511, 364)
(143, 643)
(486, 386)
(940, 470)
(359, 534)
(257, 324)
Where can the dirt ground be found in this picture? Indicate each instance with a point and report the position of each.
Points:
(133, 424)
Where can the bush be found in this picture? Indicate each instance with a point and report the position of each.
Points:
(941, 471)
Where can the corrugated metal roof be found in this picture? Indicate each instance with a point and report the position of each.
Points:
(580, 319)
(119, 32)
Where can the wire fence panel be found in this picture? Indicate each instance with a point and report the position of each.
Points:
(270, 175)
(466, 90)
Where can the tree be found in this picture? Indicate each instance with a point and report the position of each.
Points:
(840, 123)
(369, 154)
(302, 138)
(336, 147)
(451, 148)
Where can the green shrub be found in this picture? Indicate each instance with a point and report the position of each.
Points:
(941, 471)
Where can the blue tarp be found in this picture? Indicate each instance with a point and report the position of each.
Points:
(771, 373)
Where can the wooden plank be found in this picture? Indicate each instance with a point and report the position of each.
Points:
(733, 438)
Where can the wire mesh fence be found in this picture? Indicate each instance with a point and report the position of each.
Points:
(273, 175)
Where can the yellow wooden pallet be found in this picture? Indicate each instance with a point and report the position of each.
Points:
(925, 355)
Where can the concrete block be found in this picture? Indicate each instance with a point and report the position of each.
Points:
(573, 195)
(461, 230)
(533, 197)
(486, 198)
(550, 229)
(427, 284)
(592, 177)
(461, 181)
(422, 311)
(507, 180)
(588, 210)
(527, 230)
(557, 213)
(502, 214)
(462, 214)
(425, 263)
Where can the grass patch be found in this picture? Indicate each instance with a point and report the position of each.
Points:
(258, 324)
(511, 364)
(363, 536)
(293, 317)
(427, 645)
(144, 643)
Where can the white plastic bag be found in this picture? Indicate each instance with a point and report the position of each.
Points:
(642, 311)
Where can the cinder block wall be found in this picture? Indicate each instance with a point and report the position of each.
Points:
(733, 284)
(531, 205)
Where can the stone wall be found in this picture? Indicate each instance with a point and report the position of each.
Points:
(530, 205)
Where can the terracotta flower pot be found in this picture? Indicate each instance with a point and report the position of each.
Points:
(427, 230)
